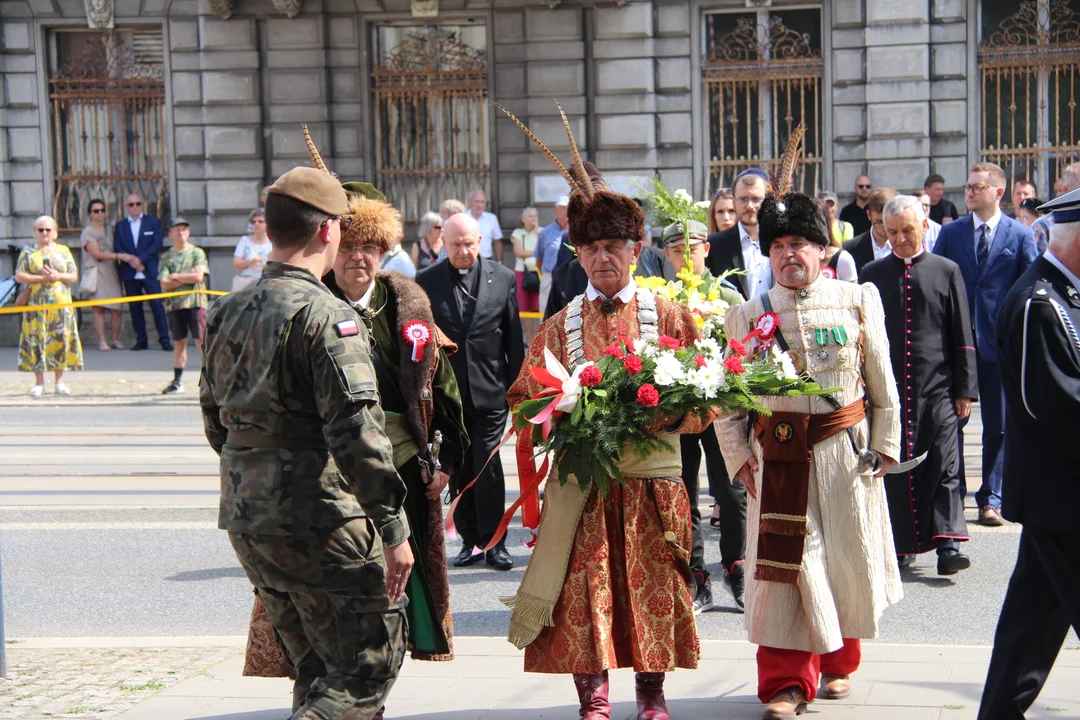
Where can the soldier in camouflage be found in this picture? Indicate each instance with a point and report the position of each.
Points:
(309, 494)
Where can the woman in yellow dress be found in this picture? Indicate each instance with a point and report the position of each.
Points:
(50, 338)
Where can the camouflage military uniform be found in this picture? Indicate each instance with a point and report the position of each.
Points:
(309, 493)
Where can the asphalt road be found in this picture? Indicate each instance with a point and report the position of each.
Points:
(109, 529)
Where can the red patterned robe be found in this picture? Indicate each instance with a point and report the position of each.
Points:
(623, 602)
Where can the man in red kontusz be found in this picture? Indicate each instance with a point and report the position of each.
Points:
(604, 588)
(820, 562)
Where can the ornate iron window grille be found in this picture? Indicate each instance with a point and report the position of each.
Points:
(431, 121)
(1029, 79)
(760, 82)
(107, 96)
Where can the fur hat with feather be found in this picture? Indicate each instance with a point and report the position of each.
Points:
(373, 221)
(595, 211)
(784, 212)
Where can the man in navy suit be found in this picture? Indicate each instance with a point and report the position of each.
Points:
(993, 251)
(141, 235)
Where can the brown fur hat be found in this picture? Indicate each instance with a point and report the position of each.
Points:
(373, 222)
(607, 215)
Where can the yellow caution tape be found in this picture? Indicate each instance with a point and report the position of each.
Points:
(108, 301)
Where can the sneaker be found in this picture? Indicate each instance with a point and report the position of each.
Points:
(735, 582)
(62, 389)
(174, 387)
(36, 391)
(703, 601)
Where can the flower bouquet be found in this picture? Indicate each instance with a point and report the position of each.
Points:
(589, 417)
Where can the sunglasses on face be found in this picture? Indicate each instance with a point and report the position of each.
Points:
(343, 221)
(436, 227)
(97, 210)
(864, 187)
(43, 230)
(976, 188)
(134, 204)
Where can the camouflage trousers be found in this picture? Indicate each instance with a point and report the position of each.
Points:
(326, 597)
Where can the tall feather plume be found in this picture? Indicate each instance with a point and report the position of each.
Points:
(543, 148)
(316, 158)
(577, 167)
(785, 178)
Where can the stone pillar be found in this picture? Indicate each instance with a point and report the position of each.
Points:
(881, 93)
(951, 122)
(22, 186)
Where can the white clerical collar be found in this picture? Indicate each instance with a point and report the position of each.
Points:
(991, 224)
(907, 261)
(626, 294)
(1053, 260)
(365, 300)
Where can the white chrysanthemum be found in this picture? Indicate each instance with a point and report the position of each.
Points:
(708, 380)
(647, 349)
(668, 370)
(708, 345)
(787, 368)
(703, 204)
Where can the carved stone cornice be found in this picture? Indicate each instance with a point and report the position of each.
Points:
(222, 8)
(288, 8)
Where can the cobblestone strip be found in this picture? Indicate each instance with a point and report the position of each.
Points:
(95, 683)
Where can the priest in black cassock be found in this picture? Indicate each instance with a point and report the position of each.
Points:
(933, 358)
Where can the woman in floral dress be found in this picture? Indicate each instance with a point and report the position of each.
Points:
(50, 338)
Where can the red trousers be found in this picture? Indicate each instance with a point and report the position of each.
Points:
(778, 668)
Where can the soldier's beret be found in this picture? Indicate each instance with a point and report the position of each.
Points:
(674, 233)
(315, 187)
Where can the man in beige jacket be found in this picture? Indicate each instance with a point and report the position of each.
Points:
(820, 560)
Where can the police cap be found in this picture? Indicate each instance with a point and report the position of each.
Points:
(317, 188)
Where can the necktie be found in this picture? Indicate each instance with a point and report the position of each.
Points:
(983, 250)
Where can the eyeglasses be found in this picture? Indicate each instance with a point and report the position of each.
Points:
(95, 211)
(436, 227)
(43, 230)
(134, 204)
(750, 201)
(975, 188)
(343, 221)
(864, 187)
(350, 248)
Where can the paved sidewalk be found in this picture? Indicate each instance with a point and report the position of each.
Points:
(118, 377)
(896, 682)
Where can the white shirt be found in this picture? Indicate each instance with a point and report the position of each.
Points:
(1073, 280)
(489, 231)
(882, 251)
(930, 238)
(136, 225)
(991, 228)
(846, 269)
(626, 294)
(396, 259)
(758, 271)
(365, 300)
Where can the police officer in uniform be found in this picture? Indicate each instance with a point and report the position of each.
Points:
(309, 494)
(1039, 350)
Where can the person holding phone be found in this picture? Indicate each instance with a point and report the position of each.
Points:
(49, 339)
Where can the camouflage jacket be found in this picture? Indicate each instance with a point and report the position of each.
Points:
(290, 403)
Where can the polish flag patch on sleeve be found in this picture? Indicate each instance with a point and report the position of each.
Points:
(345, 328)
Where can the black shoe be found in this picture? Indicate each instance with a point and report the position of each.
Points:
(174, 387)
(905, 560)
(166, 346)
(465, 558)
(499, 558)
(735, 582)
(952, 562)
(139, 346)
(703, 600)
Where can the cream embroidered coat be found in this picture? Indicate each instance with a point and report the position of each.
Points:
(849, 573)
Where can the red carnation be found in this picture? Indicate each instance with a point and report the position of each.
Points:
(699, 360)
(648, 396)
(614, 351)
(590, 376)
(632, 363)
(628, 342)
(734, 364)
(738, 347)
(670, 342)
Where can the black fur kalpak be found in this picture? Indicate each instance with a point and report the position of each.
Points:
(793, 214)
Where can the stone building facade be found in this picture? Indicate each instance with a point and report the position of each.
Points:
(691, 89)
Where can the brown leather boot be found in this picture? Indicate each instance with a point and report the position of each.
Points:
(787, 703)
(592, 692)
(834, 687)
(650, 696)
